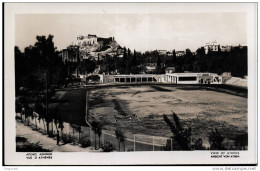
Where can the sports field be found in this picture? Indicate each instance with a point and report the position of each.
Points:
(139, 109)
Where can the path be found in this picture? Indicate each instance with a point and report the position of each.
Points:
(46, 142)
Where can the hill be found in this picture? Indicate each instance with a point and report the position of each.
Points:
(95, 47)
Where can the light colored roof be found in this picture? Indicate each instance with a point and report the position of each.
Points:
(170, 68)
(134, 75)
(190, 74)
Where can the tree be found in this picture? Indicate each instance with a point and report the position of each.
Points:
(134, 62)
(198, 145)
(173, 57)
(124, 59)
(88, 65)
(37, 64)
(38, 108)
(95, 126)
(181, 136)
(61, 126)
(29, 113)
(99, 132)
(128, 62)
(159, 68)
(25, 106)
(120, 137)
(188, 52)
(215, 140)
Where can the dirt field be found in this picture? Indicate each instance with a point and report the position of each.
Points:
(139, 109)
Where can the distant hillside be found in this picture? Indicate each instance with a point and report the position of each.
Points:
(92, 46)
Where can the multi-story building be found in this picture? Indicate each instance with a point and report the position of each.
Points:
(170, 70)
(180, 53)
(70, 57)
(168, 53)
(213, 46)
(162, 52)
(226, 48)
(71, 54)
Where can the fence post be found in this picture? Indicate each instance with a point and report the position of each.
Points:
(134, 142)
(153, 143)
(171, 144)
(90, 135)
(103, 141)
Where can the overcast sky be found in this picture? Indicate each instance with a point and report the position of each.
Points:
(136, 31)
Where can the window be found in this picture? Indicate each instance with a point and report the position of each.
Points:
(187, 78)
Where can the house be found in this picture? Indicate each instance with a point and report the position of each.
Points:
(162, 52)
(170, 70)
(150, 67)
(193, 78)
(71, 54)
(226, 48)
(213, 46)
(168, 53)
(180, 53)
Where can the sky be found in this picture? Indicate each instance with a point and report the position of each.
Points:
(142, 32)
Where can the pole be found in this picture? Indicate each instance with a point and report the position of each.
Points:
(134, 142)
(90, 135)
(103, 140)
(46, 102)
(171, 144)
(153, 143)
(87, 106)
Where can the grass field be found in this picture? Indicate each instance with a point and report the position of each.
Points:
(139, 109)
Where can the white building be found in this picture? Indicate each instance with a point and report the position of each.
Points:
(193, 78)
(85, 40)
(180, 53)
(213, 46)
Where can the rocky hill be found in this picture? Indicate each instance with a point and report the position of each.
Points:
(96, 47)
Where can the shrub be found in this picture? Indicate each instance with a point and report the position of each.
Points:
(108, 147)
(198, 144)
(242, 140)
(167, 146)
(67, 138)
(85, 143)
(181, 135)
(215, 140)
(51, 134)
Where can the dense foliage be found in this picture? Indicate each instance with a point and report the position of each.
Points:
(39, 65)
(234, 61)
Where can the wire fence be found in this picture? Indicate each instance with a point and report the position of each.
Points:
(132, 142)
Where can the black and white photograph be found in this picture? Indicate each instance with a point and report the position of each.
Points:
(170, 79)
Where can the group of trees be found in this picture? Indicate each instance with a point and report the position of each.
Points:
(129, 63)
(182, 138)
(234, 61)
(39, 65)
(37, 69)
(97, 129)
(37, 111)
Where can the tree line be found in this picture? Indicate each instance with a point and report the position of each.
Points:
(41, 65)
(234, 61)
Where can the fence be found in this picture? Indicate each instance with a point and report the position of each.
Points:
(132, 142)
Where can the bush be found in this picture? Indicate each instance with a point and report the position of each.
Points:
(85, 143)
(167, 146)
(108, 147)
(241, 141)
(198, 144)
(215, 140)
(67, 138)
